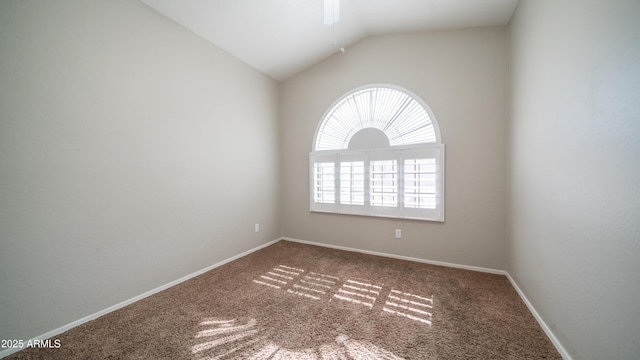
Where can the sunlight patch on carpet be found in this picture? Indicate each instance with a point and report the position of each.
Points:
(410, 306)
(364, 350)
(317, 286)
(226, 329)
(234, 338)
(279, 277)
(359, 292)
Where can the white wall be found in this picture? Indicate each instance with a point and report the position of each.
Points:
(132, 153)
(574, 235)
(462, 76)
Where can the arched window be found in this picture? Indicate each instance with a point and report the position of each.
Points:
(377, 152)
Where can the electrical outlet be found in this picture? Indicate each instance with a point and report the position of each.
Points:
(257, 227)
(398, 233)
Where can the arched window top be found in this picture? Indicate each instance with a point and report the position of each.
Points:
(400, 115)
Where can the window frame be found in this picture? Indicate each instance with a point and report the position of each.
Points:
(404, 146)
(398, 153)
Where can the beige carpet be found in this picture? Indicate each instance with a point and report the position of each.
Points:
(295, 301)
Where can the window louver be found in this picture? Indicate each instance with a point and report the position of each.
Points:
(403, 119)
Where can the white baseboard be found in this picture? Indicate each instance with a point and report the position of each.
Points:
(96, 315)
(563, 352)
(400, 257)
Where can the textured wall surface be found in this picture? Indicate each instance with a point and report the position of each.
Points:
(574, 235)
(462, 76)
(132, 153)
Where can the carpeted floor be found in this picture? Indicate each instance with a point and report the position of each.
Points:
(295, 301)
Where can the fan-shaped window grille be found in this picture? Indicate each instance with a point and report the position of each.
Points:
(402, 118)
(377, 152)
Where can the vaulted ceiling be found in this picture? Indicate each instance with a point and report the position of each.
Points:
(283, 37)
